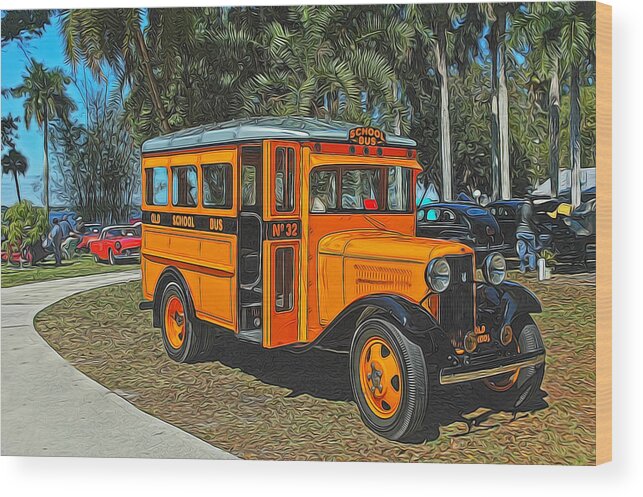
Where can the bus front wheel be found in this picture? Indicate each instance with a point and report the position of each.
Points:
(389, 380)
(184, 337)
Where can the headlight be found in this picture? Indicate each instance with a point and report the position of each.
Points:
(438, 275)
(494, 269)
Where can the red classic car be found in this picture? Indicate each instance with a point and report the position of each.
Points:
(117, 243)
(90, 233)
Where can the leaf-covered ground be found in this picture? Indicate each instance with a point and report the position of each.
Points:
(260, 404)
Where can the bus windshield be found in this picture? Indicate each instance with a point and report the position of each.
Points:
(360, 188)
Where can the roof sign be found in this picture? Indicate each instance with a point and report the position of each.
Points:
(366, 135)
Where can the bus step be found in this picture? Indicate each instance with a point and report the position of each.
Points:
(254, 336)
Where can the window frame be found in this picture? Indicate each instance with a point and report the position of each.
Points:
(196, 200)
(148, 184)
(229, 188)
(291, 282)
(339, 170)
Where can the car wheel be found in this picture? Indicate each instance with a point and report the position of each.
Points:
(389, 379)
(185, 339)
(111, 258)
(520, 389)
(97, 259)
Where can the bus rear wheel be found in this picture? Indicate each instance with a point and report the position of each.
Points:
(389, 380)
(184, 337)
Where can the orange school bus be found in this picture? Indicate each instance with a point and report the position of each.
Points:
(297, 233)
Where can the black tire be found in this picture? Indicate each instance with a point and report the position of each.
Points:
(198, 344)
(525, 393)
(97, 259)
(410, 413)
(110, 257)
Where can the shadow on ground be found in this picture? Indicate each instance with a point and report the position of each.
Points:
(325, 375)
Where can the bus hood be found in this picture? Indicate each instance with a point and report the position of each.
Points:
(388, 245)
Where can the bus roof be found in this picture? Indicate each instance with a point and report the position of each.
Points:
(261, 128)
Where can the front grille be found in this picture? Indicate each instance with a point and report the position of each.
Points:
(456, 302)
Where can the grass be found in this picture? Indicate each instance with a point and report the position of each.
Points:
(261, 404)
(46, 271)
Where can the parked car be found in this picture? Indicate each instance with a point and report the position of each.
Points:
(464, 222)
(90, 233)
(117, 243)
(571, 232)
(568, 234)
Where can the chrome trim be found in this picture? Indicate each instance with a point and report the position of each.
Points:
(450, 378)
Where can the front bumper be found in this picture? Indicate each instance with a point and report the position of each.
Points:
(128, 254)
(493, 367)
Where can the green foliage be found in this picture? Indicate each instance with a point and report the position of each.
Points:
(374, 65)
(15, 163)
(9, 130)
(22, 25)
(44, 91)
(23, 224)
(98, 173)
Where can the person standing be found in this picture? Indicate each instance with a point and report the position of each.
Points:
(56, 238)
(526, 236)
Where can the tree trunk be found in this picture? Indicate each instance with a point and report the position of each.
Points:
(574, 135)
(503, 115)
(445, 124)
(554, 129)
(151, 80)
(45, 167)
(495, 138)
(397, 122)
(15, 178)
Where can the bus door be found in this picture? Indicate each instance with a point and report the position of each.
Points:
(282, 243)
(250, 257)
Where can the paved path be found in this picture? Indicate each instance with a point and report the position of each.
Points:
(49, 408)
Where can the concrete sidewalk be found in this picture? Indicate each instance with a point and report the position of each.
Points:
(49, 408)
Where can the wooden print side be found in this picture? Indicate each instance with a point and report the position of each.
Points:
(604, 233)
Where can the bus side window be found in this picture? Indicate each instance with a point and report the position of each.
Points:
(184, 186)
(248, 186)
(285, 179)
(284, 279)
(156, 186)
(217, 185)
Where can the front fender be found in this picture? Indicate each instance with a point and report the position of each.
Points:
(413, 320)
(508, 300)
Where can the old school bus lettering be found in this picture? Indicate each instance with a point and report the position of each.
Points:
(216, 224)
(183, 221)
(155, 218)
(285, 230)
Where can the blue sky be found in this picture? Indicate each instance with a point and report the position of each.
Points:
(49, 50)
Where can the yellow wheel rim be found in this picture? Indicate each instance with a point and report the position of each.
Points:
(175, 322)
(380, 377)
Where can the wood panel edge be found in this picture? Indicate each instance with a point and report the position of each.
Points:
(604, 233)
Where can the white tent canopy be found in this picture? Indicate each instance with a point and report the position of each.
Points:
(587, 181)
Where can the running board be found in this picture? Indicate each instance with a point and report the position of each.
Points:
(254, 336)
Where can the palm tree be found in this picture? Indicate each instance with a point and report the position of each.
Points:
(578, 49)
(540, 25)
(13, 162)
(113, 37)
(500, 171)
(46, 99)
(435, 23)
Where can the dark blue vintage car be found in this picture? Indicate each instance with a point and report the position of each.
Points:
(572, 238)
(464, 222)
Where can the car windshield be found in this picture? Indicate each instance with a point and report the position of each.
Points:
(122, 232)
(361, 187)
